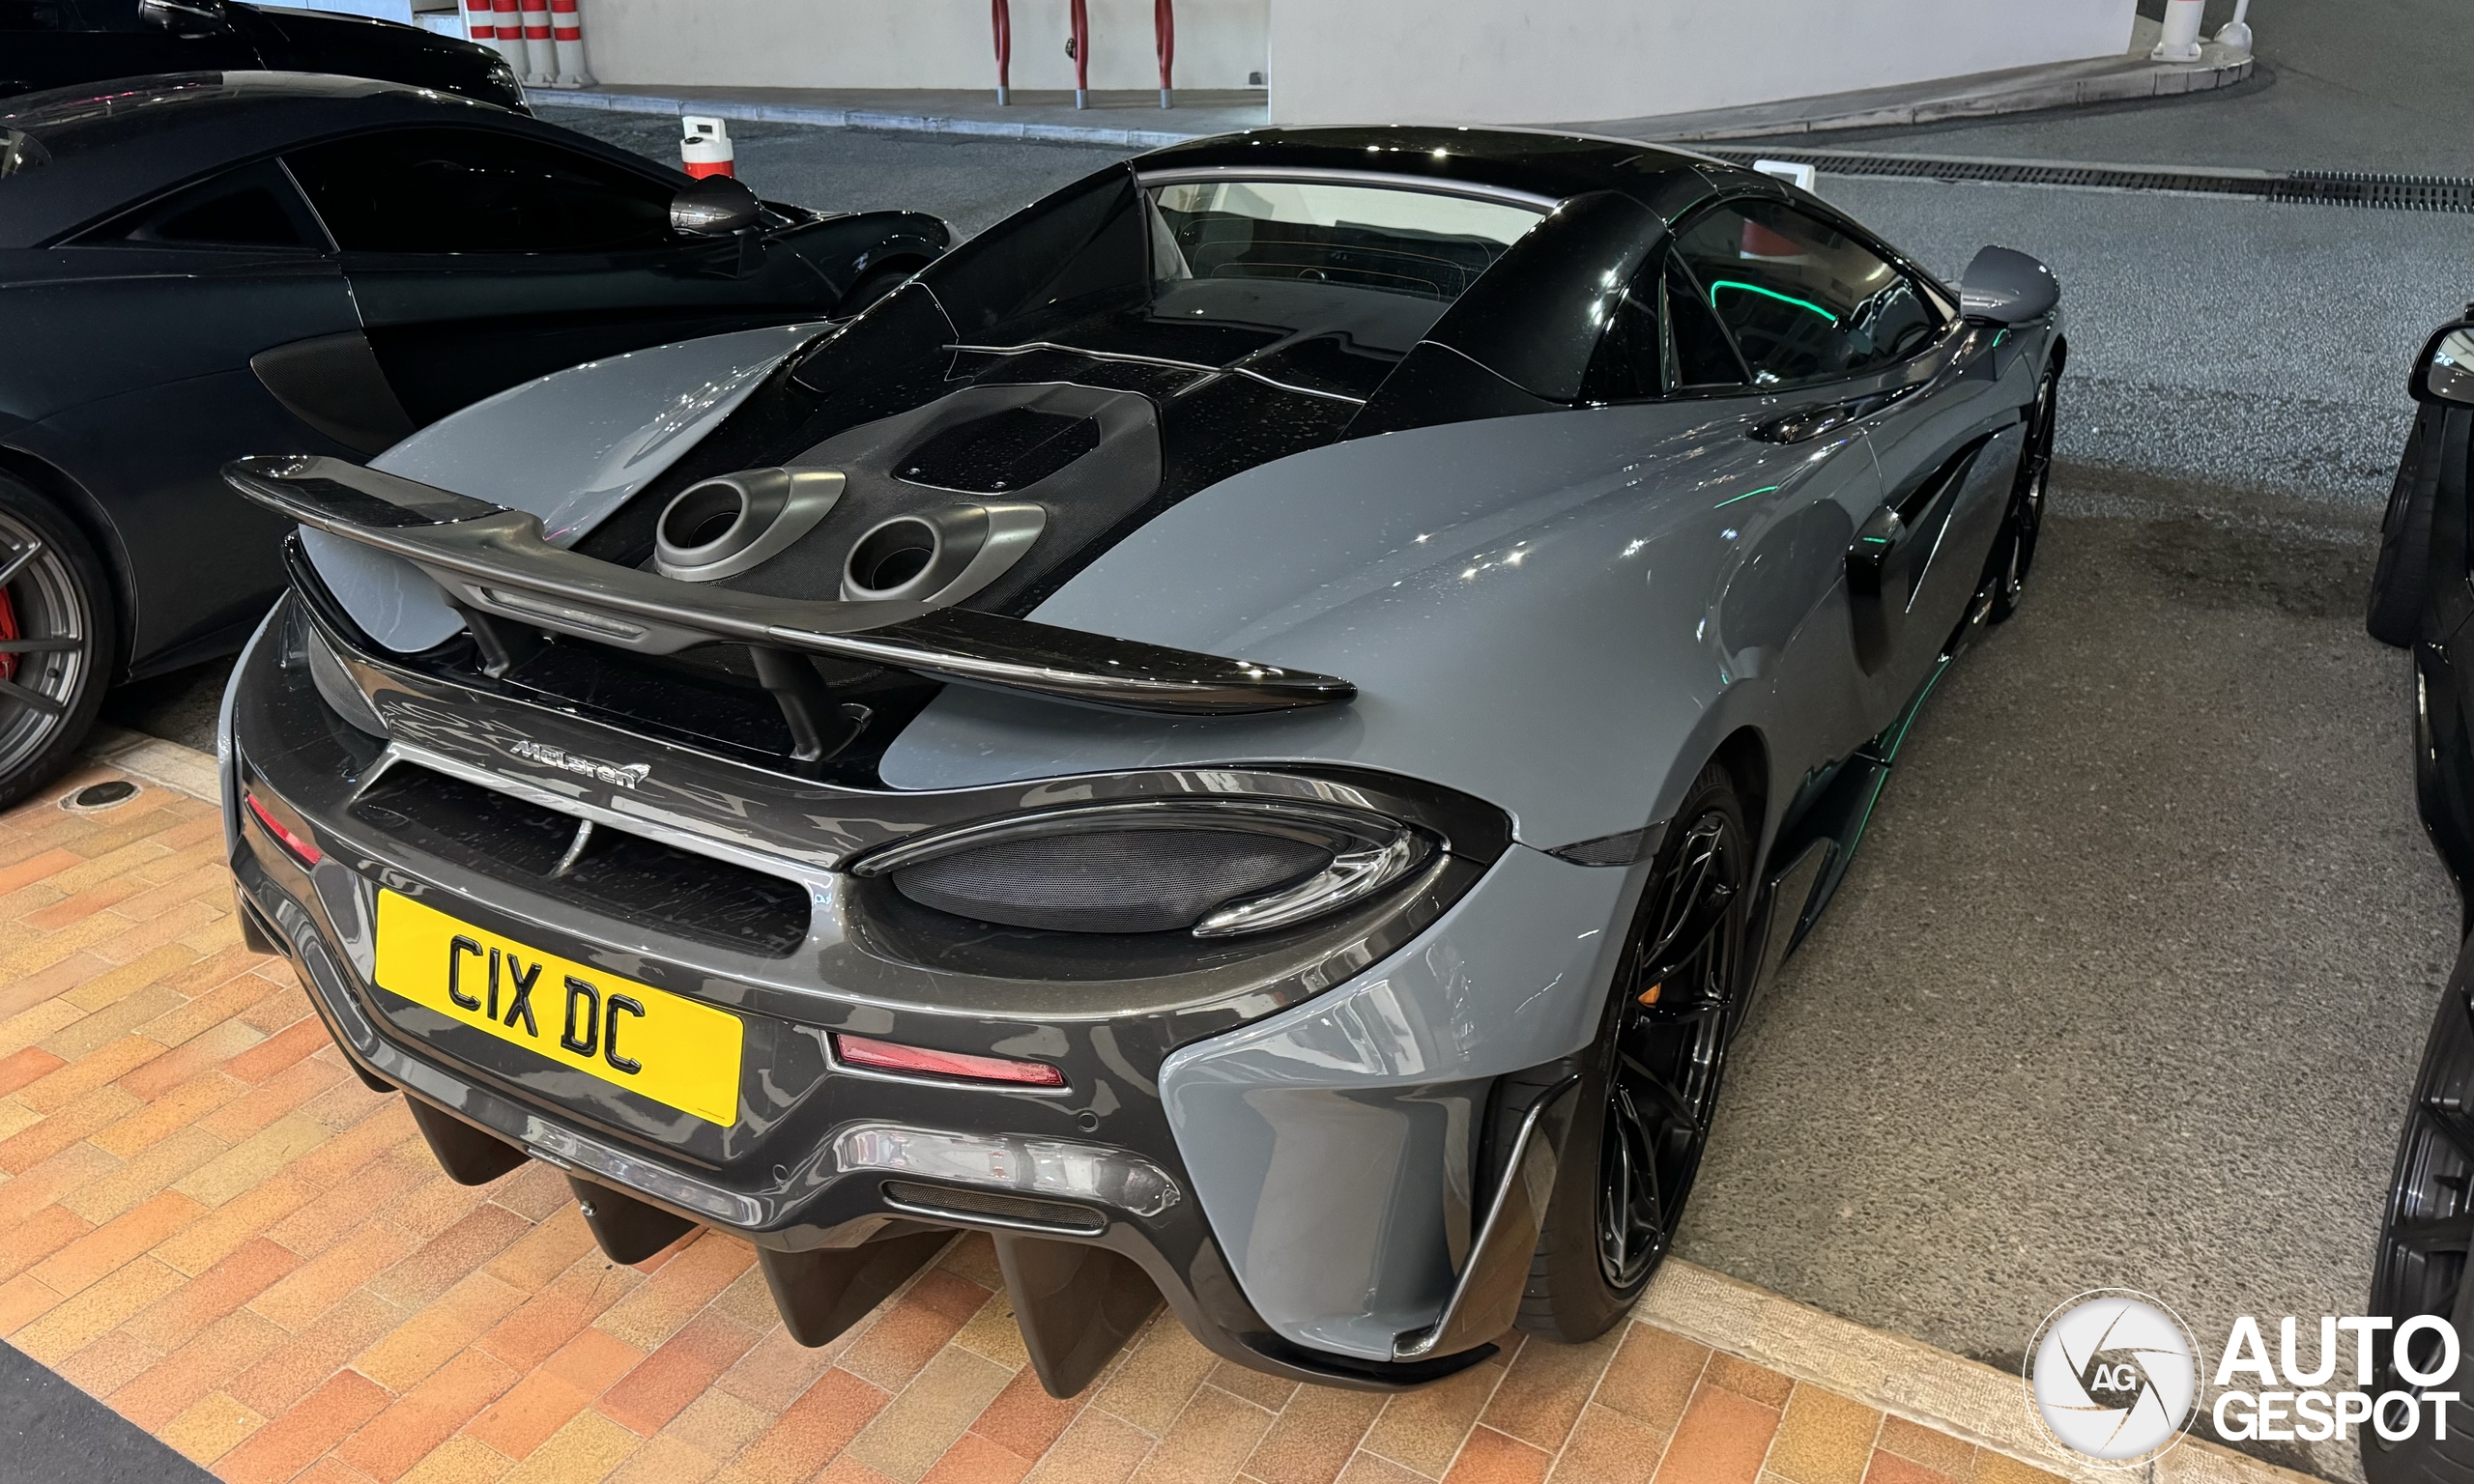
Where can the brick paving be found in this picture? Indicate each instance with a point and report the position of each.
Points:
(207, 1221)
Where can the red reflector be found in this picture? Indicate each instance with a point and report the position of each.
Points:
(304, 852)
(886, 1056)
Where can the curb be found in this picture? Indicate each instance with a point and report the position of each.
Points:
(2128, 85)
(1907, 1378)
(856, 118)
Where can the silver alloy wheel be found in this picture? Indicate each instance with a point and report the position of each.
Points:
(52, 646)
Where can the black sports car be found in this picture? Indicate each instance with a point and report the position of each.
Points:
(198, 267)
(2422, 597)
(59, 44)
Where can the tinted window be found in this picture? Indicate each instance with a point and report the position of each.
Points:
(1401, 241)
(1703, 355)
(34, 15)
(1803, 300)
(464, 191)
(251, 207)
(1661, 337)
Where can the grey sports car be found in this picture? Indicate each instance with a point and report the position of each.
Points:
(1251, 731)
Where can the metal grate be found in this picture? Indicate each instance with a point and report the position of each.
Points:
(2311, 187)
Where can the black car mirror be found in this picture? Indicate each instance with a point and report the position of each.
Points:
(715, 206)
(2006, 287)
(2445, 373)
(185, 17)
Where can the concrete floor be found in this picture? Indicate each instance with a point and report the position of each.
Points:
(2128, 984)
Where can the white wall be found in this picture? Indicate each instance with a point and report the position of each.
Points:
(1556, 61)
(910, 44)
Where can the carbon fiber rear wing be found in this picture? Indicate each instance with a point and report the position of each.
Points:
(491, 560)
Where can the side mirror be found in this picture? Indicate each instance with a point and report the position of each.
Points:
(714, 206)
(187, 18)
(2004, 287)
(2445, 373)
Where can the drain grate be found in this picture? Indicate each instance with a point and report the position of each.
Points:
(2313, 187)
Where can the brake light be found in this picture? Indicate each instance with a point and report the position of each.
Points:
(301, 849)
(887, 1056)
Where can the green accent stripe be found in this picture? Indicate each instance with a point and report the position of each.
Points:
(1754, 288)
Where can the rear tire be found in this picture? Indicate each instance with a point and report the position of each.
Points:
(56, 639)
(1650, 1083)
(2401, 584)
(2420, 1266)
(2015, 552)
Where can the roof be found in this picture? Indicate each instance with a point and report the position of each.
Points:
(112, 143)
(1533, 162)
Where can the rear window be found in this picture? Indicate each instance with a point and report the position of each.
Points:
(1414, 243)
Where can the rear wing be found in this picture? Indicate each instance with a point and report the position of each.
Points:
(493, 560)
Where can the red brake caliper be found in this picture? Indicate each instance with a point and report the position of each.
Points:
(8, 630)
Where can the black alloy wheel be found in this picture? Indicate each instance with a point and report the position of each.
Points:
(55, 640)
(2420, 1265)
(2026, 519)
(1651, 1086)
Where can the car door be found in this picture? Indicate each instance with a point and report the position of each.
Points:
(485, 257)
(54, 43)
(1790, 506)
(1843, 337)
(145, 343)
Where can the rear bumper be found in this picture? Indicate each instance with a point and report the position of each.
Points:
(1300, 1186)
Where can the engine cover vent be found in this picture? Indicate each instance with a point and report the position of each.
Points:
(1000, 452)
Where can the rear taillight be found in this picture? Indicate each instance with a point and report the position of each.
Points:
(919, 1062)
(292, 840)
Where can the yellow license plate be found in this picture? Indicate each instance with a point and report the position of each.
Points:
(672, 1049)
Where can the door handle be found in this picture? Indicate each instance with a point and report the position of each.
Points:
(1873, 575)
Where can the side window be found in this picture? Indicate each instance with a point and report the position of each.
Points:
(467, 190)
(1803, 300)
(1660, 338)
(253, 207)
(34, 15)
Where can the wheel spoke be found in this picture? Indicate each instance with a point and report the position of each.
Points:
(16, 561)
(2450, 1234)
(33, 699)
(41, 645)
(2454, 1126)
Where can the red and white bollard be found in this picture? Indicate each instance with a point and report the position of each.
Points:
(566, 35)
(1078, 46)
(510, 37)
(704, 149)
(2181, 42)
(541, 57)
(480, 21)
(1164, 41)
(1000, 21)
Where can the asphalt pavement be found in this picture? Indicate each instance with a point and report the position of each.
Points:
(2127, 984)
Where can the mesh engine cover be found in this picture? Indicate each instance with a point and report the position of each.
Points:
(1110, 881)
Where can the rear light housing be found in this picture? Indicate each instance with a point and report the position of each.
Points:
(295, 843)
(872, 1055)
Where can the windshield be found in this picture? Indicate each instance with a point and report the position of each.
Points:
(1369, 237)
